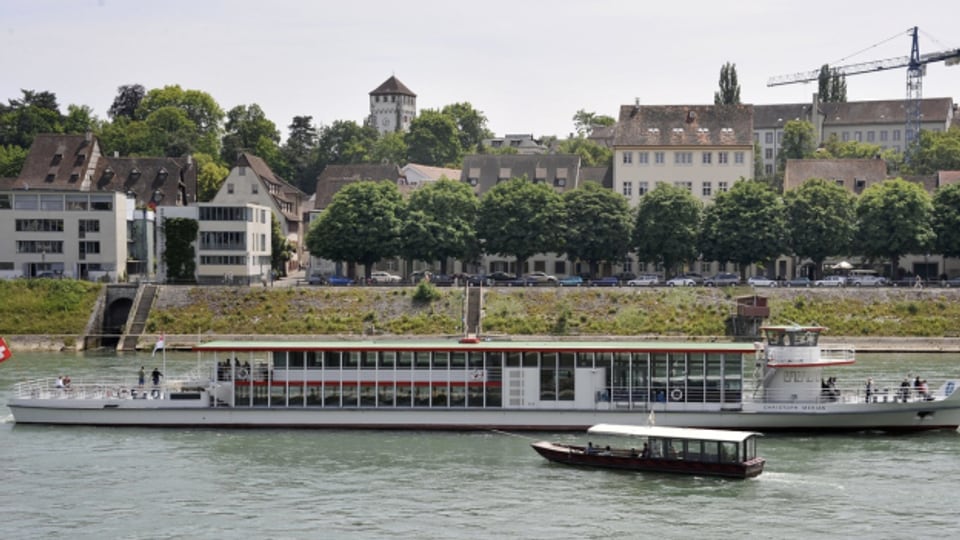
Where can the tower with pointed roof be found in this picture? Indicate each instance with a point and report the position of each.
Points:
(392, 106)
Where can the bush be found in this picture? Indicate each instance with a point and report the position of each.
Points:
(426, 293)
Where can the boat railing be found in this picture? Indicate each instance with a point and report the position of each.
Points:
(102, 388)
(837, 353)
(882, 392)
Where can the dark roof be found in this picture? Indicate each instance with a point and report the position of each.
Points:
(775, 116)
(334, 177)
(554, 169)
(684, 125)
(601, 175)
(75, 162)
(392, 86)
(277, 187)
(890, 111)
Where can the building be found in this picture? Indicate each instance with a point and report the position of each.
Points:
(393, 107)
(855, 175)
(523, 143)
(768, 122)
(416, 175)
(251, 181)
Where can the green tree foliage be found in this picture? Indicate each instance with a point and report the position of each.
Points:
(946, 220)
(831, 86)
(744, 225)
(247, 127)
(894, 219)
(22, 119)
(390, 148)
(584, 122)
(362, 225)
(837, 149)
(591, 154)
(936, 151)
(180, 234)
(300, 152)
(799, 142)
(729, 93)
(440, 223)
(821, 220)
(280, 249)
(169, 132)
(471, 123)
(128, 99)
(597, 222)
(667, 225)
(203, 112)
(11, 160)
(79, 119)
(345, 142)
(520, 218)
(434, 139)
(210, 176)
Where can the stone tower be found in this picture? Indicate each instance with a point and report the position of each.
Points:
(392, 106)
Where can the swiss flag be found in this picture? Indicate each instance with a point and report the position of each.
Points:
(4, 350)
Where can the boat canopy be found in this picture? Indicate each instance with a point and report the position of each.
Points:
(662, 432)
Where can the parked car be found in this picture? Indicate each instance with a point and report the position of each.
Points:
(442, 280)
(644, 280)
(418, 276)
(479, 279)
(802, 281)
(761, 281)
(610, 281)
(681, 281)
(384, 277)
(625, 276)
(697, 278)
(831, 281)
(952, 282)
(570, 281)
(723, 279)
(541, 277)
(502, 276)
(340, 281)
(867, 281)
(316, 279)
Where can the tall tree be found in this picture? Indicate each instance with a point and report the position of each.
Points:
(441, 222)
(245, 129)
(597, 220)
(210, 176)
(280, 249)
(12, 159)
(344, 142)
(390, 148)
(585, 121)
(591, 154)
(471, 123)
(894, 219)
(831, 85)
(821, 220)
(936, 151)
(520, 218)
(744, 225)
(433, 139)
(301, 154)
(79, 119)
(128, 99)
(362, 225)
(799, 142)
(729, 93)
(667, 225)
(199, 107)
(23, 119)
(946, 220)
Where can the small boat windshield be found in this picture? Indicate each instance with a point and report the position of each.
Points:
(779, 337)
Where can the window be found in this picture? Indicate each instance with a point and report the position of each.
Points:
(845, 136)
(839, 181)
(643, 158)
(738, 158)
(659, 157)
(628, 189)
(768, 169)
(779, 137)
(685, 185)
(89, 226)
(230, 188)
(707, 189)
(101, 202)
(80, 159)
(858, 136)
(870, 135)
(768, 153)
(559, 182)
(683, 158)
(883, 135)
(627, 158)
(254, 188)
(722, 187)
(504, 174)
(89, 248)
(241, 170)
(39, 225)
(707, 158)
(5, 203)
(896, 135)
(768, 138)
(642, 188)
(57, 158)
(723, 158)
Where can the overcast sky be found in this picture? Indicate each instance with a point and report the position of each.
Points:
(528, 65)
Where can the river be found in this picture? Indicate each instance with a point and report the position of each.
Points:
(194, 483)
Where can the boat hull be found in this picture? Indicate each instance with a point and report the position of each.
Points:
(890, 417)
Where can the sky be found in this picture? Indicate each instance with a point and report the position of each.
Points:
(528, 65)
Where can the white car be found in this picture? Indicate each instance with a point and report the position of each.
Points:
(867, 281)
(831, 281)
(384, 277)
(540, 277)
(761, 281)
(681, 281)
(646, 280)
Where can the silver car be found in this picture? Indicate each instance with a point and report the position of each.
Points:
(831, 281)
(761, 281)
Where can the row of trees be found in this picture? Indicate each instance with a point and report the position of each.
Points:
(172, 121)
(750, 224)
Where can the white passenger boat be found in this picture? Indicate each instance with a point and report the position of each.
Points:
(775, 385)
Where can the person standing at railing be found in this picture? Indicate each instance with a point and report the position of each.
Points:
(869, 391)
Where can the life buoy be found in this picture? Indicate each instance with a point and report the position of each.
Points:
(676, 394)
(243, 374)
(155, 393)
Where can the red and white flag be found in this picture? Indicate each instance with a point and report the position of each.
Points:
(159, 345)
(4, 350)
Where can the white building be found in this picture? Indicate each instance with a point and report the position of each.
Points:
(64, 234)
(393, 107)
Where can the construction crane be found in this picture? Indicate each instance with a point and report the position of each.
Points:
(916, 65)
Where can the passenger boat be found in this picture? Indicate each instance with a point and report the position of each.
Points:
(703, 452)
(775, 385)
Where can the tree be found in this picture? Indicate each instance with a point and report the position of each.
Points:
(729, 93)
(591, 154)
(936, 151)
(12, 159)
(894, 218)
(471, 123)
(345, 142)
(520, 218)
(821, 220)
(79, 119)
(799, 142)
(199, 107)
(246, 128)
(667, 224)
(362, 225)
(210, 176)
(597, 220)
(300, 151)
(837, 149)
(23, 119)
(584, 122)
(390, 148)
(280, 249)
(178, 255)
(946, 220)
(744, 225)
(441, 222)
(171, 133)
(128, 99)
(831, 85)
(433, 139)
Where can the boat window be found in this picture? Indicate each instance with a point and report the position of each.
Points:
(421, 396)
(368, 359)
(314, 359)
(388, 359)
(406, 359)
(775, 338)
(386, 395)
(695, 377)
(476, 360)
(348, 395)
(531, 359)
(750, 448)
(458, 360)
(513, 359)
(565, 385)
(493, 360)
(804, 339)
(474, 395)
(278, 396)
(711, 451)
(331, 396)
(585, 360)
(351, 359)
(693, 450)
(440, 395)
(331, 359)
(441, 360)
(295, 395)
(728, 452)
(423, 359)
(403, 395)
(296, 359)
(458, 396)
(548, 383)
(368, 394)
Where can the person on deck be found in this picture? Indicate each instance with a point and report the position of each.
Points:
(869, 391)
(141, 377)
(156, 376)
